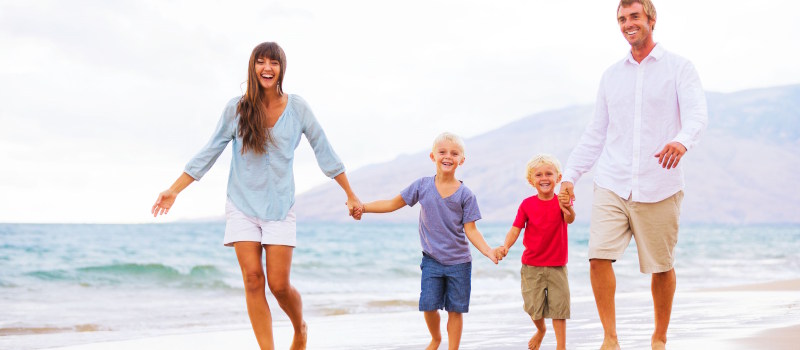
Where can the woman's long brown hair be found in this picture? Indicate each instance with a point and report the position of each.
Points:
(252, 116)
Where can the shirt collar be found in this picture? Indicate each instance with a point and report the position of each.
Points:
(657, 52)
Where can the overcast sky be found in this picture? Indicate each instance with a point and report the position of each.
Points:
(103, 102)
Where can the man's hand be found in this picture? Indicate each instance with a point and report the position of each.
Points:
(671, 155)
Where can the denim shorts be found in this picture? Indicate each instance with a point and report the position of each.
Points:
(445, 286)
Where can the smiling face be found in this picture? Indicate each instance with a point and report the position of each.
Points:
(268, 72)
(447, 155)
(267, 67)
(635, 25)
(544, 178)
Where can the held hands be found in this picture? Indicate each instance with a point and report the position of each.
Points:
(566, 196)
(492, 255)
(671, 155)
(163, 203)
(500, 252)
(354, 207)
(564, 202)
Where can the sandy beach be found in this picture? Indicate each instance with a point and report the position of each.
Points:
(737, 288)
(762, 316)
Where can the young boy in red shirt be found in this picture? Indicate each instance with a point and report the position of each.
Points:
(545, 289)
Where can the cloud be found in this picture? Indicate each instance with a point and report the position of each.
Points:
(104, 97)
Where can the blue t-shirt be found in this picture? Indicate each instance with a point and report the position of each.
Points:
(441, 220)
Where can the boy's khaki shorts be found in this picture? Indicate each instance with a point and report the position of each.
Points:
(545, 291)
(654, 227)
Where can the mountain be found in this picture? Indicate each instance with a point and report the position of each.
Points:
(745, 169)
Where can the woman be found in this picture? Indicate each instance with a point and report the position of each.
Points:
(265, 126)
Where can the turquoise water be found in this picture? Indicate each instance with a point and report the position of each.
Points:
(63, 284)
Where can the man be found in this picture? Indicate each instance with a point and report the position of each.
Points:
(650, 110)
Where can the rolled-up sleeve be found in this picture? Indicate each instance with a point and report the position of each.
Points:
(224, 133)
(328, 161)
(692, 105)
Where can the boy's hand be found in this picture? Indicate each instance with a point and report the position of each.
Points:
(564, 199)
(357, 212)
(500, 252)
(355, 209)
(567, 193)
(492, 255)
(564, 207)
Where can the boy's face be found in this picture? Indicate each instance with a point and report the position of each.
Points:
(545, 178)
(447, 156)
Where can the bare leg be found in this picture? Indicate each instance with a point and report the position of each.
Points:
(432, 320)
(279, 263)
(560, 326)
(604, 285)
(536, 341)
(455, 323)
(663, 288)
(249, 256)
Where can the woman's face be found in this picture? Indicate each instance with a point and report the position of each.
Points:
(268, 72)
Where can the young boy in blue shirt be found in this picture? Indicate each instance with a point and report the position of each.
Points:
(446, 222)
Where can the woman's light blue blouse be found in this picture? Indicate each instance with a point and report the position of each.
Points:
(262, 186)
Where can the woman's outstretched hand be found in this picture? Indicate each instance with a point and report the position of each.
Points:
(166, 198)
(163, 203)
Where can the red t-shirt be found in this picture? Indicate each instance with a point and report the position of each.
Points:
(545, 236)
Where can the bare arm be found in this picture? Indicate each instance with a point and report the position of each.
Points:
(476, 238)
(564, 201)
(384, 206)
(511, 237)
(167, 198)
(353, 203)
(568, 211)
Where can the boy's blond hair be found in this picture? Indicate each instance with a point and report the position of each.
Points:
(448, 136)
(539, 160)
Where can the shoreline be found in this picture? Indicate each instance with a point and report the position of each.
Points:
(707, 318)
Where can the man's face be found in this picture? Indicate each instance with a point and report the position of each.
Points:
(636, 27)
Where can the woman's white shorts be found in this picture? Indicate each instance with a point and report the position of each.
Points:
(242, 228)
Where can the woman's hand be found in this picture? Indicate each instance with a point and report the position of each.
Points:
(166, 198)
(164, 202)
(354, 207)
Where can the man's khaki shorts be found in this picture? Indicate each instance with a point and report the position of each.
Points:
(545, 291)
(654, 227)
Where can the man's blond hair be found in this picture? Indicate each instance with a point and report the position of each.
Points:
(647, 5)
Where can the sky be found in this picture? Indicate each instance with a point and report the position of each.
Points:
(102, 103)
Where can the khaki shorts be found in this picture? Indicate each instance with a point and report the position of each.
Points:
(654, 227)
(545, 291)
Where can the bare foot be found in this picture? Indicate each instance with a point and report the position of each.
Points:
(300, 339)
(658, 345)
(434, 344)
(536, 341)
(610, 344)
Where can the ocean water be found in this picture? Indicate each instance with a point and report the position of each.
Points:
(72, 284)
